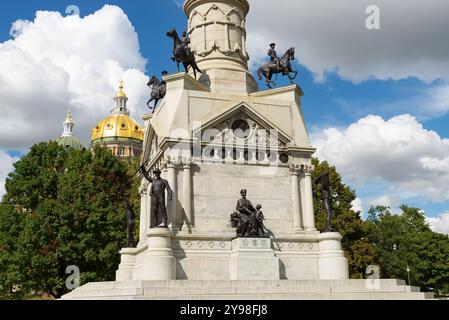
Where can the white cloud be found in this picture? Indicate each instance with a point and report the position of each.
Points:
(440, 224)
(357, 205)
(6, 166)
(56, 63)
(411, 160)
(386, 201)
(332, 36)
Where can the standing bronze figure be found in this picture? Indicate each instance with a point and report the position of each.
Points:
(276, 65)
(182, 52)
(129, 225)
(158, 90)
(326, 196)
(247, 219)
(158, 214)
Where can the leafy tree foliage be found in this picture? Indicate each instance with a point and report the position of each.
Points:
(358, 249)
(406, 239)
(63, 207)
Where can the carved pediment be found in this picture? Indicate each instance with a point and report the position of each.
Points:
(242, 126)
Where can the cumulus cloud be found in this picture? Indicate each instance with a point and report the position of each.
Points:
(357, 205)
(411, 160)
(56, 63)
(440, 224)
(332, 36)
(6, 166)
(390, 201)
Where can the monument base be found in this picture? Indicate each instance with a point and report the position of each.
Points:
(253, 259)
(249, 290)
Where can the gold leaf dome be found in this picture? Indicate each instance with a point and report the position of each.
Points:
(117, 126)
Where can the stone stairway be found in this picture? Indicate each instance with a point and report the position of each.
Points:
(385, 289)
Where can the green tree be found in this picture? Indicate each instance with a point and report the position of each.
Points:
(63, 207)
(358, 249)
(405, 239)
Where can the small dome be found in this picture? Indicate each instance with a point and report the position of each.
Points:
(70, 142)
(117, 126)
(120, 93)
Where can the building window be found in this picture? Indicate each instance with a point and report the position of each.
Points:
(121, 152)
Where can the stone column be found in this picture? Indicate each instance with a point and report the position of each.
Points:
(172, 205)
(143, 213)
(296, 198)
(309, 218)
(187, 192)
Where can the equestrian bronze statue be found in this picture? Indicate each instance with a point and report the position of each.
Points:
(158, 90)
(182, 52)
(278, 65)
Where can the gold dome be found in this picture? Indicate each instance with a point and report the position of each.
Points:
(117, 126)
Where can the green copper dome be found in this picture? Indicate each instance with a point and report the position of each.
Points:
(67, 140)
(70, 142)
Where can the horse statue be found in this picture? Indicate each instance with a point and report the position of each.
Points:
(183, 54)
(285, 68)
(158, 91)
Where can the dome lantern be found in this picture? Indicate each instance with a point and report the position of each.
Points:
(120, 99)
(68, 140)
(68, 125)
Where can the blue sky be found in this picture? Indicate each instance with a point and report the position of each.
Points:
(337, 101)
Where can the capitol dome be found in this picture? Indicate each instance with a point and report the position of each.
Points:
(119, 132)
(68, 140)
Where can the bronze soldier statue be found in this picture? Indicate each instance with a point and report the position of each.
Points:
(158, 90)
(158, 213)
(130, 225)
(182, 53)
(323, 181)
(186, 43)
(274, 56)
(278, 65)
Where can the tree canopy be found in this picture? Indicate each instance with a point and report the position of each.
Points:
(63, 207)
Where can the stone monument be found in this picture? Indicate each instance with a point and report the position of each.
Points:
(211, 138)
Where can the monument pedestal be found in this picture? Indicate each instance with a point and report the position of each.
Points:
(253, 259)
(157, 261)
(125, 270)
(333, 265)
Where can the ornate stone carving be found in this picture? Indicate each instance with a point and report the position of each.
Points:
(254, 133)
(308, 169)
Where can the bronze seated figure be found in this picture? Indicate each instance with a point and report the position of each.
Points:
(247, 219)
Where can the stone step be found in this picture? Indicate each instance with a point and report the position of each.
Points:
(384, 283)
(304, 296)
(215, 290)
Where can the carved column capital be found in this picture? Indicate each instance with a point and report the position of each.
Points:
(294, 169)
(308, 169)
(171, 162)
(187, 162)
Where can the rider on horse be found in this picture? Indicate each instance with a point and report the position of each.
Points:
(185, 43)
(273, 55)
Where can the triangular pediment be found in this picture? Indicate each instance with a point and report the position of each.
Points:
(241, 124)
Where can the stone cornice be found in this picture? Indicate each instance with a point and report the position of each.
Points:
(275, 91)
(189, 5)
